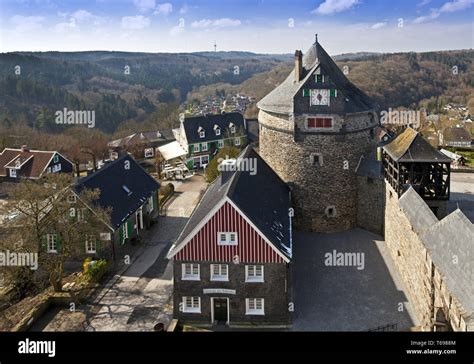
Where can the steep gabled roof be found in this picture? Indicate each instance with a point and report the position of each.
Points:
(280, 99)
(122, 190)
(33, 162)
(207, 124)
(455, 134)
(262, 197)
(410, 146)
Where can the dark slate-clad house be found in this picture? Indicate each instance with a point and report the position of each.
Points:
(232, 260)
(131, 194)
(18, 164)
(203, 136)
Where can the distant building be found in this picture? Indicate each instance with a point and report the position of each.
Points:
(203, 136)
(142, 145)
(18, 164)
(456, 137)
(232, 261)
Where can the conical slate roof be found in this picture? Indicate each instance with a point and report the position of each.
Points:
(280, 100)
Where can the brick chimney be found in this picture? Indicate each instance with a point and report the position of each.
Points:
(24, 148)
(298, 65)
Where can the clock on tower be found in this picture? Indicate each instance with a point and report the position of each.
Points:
(319, 97)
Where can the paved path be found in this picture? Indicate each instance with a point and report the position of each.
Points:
(142, 296)
(344, 298)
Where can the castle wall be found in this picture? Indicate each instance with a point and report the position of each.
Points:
(325, 193)
(370, 204)
(425, 285)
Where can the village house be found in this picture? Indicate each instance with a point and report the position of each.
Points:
(203, 136)
(456, 137)
(20, 164)
(131, 195)
(141, 145)
(232, 261)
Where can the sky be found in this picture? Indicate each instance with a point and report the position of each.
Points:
(261, 26)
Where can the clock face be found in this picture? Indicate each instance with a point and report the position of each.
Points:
(319, 97)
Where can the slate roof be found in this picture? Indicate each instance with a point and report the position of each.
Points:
(35, 161)
(263, 198)
(417, 211)
(207, 123)
(369, 167)
(111, 180)
(410, 146)
(451, 237)
(280, 100)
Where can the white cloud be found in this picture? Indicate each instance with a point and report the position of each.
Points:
(164, 9)
(184, 9)
(334, 6)
(65, 27)
(215, 23)
(423, 3)
(144, 5)
(135, 22)
(26, 23)
(378, 25)
(177, 30)
(448, 7)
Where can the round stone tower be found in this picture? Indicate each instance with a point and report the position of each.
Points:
(314, 127)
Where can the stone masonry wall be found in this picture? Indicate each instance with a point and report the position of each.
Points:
(371, 204)
(315, 188)
(434, 305)
(275, 290)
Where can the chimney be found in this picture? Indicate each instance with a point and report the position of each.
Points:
(24, 148)
(298, 65)
(227, 168)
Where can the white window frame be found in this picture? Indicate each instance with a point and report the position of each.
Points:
(251, 273)
(202, 134)
(218, 131)
(192, 276)
(204, 147)
(194, 308)
(149, 152)
(251, 306)
(71, 198)
(220, 144)
(237, 142)
(52, 243)
(220, 277)
(196, 148)
(13, 173)
(56, 158)
(228, 238)
(91, 249)
(232, 129)
(125, 230)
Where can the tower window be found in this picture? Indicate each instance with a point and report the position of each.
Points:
(319, 123)
(316, 159)
(330, 211)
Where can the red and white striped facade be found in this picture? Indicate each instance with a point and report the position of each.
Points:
(252, 247)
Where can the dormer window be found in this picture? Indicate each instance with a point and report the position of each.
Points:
(232, 128)
(217, 130)
(127, 190)
(202, 133)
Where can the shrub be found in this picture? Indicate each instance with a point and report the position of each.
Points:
(96, 268)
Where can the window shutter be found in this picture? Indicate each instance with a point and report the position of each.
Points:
(120, 234)
(319, 78)
(306, 92)
(59, 243)
(130, 228)
(44, 243)
(333, 93)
